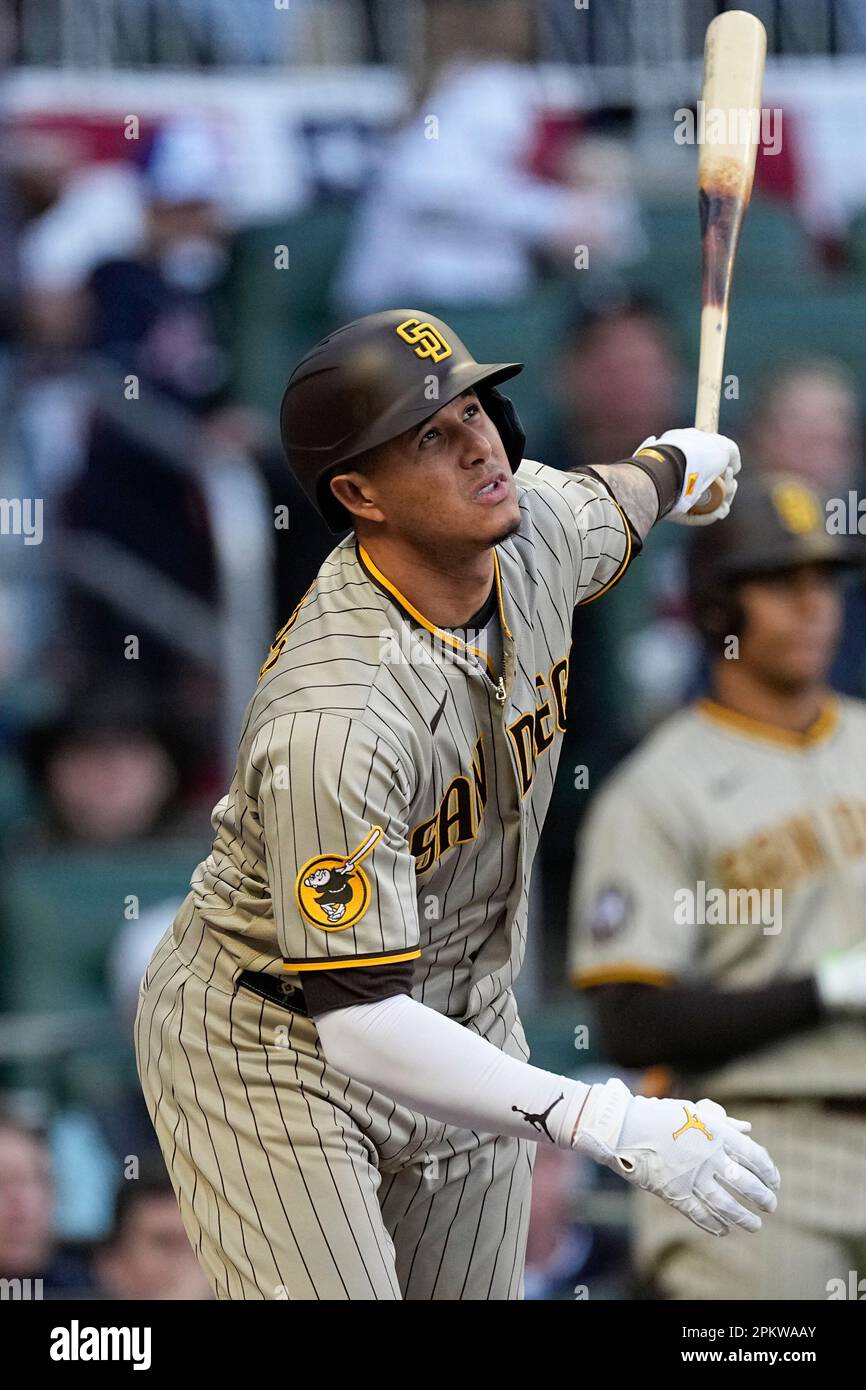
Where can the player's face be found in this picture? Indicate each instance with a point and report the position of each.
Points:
(792, 623)
(446, 484)
(153, 1258)
(26, 1204)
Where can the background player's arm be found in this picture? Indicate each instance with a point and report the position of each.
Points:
(695, 1027)
(641, 964)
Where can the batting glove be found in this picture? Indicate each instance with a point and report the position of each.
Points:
(709, 458)
(841, 978)
(683, 1152)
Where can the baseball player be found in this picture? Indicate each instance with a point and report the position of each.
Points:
(718, 912)
(327, 1038)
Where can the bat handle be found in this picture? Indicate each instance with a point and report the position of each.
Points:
(707, 419)
(709, 500)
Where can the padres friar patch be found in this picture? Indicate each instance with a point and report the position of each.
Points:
(332, 892)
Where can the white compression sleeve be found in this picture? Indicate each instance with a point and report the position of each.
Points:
(435, 1066)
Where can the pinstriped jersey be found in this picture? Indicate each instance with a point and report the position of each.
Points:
(392, 783)
(727, 851)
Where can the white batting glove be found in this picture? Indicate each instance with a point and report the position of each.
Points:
(681, 1151)
(841, 977)
(709, 458)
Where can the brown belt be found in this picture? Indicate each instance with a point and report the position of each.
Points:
(279, 991)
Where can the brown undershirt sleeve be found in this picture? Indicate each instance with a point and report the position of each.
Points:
(362, 984)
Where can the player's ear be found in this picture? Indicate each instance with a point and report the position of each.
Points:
(356, 493)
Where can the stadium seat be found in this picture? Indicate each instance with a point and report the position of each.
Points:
(766, 330)
(62, 910)
(59, 915)
(857, 245)
(277, 314)
(774, 247)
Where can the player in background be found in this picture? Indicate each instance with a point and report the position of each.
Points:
(328, 1038)
(718, 913)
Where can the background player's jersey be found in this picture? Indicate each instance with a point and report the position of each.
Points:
(390, 786)
(714, 801)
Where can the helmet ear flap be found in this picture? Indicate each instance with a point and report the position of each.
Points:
(503, 413)
(718, 618)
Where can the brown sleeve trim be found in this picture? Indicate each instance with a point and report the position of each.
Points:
(340, 989)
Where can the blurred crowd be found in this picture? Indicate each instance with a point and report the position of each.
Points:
(121, 387)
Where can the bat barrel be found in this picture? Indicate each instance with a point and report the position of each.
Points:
(734, 56)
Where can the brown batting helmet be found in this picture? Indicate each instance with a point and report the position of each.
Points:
(368, 382)
(778, 522)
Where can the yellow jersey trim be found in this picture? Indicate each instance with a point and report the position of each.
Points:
(623, 567)
(818, 732)
(413, 612)
(275, 650)
(622, 974)
(505, 628)
(355, 961)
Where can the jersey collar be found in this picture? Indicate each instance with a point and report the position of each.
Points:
(818, 732)
(448, 638)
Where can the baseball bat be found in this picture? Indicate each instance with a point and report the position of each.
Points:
(734, 55)
(362, 851)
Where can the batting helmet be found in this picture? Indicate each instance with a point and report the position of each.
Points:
(778, 522)
(368, 382)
